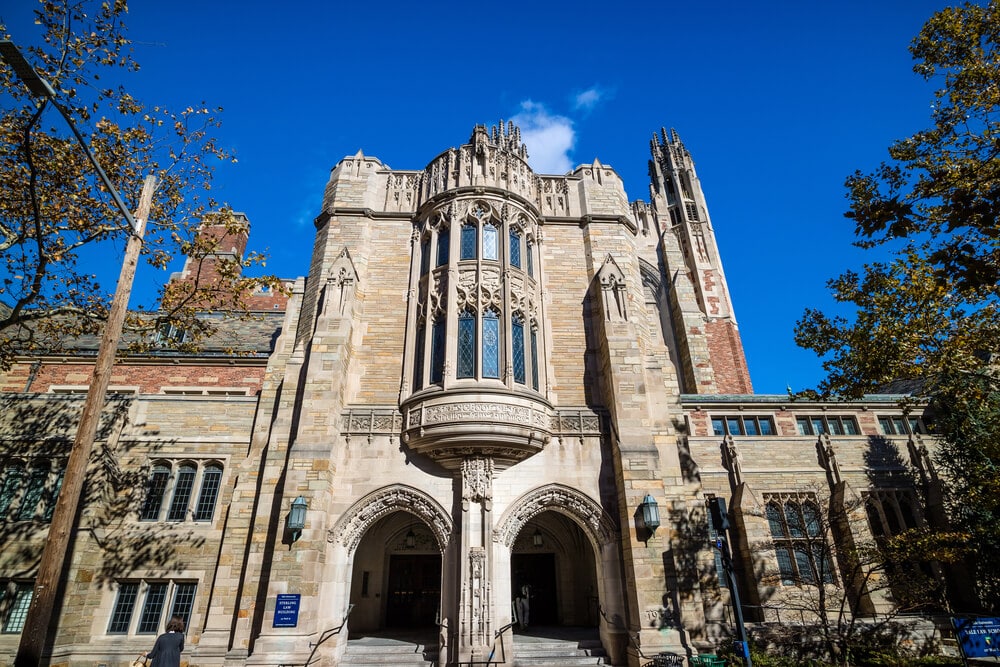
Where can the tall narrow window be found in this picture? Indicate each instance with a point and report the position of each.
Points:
(467, 344)
(443, 241)
(469, 240)
(121, 617)
(425, 255)
(154, 494)
(491, 344)
(12, 479)
(515, 247)
(491, 242)
(152, 608)
(183, 602)
(33, 496)
(52, 495)
(210, 481)
(418, 363)
(18, 611)
(517, 347)
(182, 493)
(534, 358)
(437, 350)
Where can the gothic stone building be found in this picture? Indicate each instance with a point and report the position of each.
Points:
(485, 374)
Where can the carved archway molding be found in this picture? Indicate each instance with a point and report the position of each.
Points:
(356, 521)
(596, 523)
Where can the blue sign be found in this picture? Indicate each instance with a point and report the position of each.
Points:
(978, 637)
(286, 610)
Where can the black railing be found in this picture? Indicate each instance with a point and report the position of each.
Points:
(323, 636)
(491, 658)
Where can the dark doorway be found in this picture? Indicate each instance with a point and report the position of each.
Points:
(414, 591)
(538, 572)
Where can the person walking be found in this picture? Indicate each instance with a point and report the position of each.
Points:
(167, 649)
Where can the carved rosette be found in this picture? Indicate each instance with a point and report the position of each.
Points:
(363, 514)
(596, 523)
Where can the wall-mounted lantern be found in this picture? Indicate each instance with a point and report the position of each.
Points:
(648, 514)
(410, 539)
(536, 539)
(297, 517)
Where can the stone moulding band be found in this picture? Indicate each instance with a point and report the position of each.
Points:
(365, 512)
(596, 523)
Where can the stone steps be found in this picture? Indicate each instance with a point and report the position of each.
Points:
(528, 651)
(389, 652)
(558, 652)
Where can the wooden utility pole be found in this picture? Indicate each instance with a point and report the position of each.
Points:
(39, 622)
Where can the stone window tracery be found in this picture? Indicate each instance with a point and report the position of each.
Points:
(481, 303)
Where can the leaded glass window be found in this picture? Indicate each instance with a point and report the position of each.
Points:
(442, 246)
(534, 357)
(491, 242)
(517, 347)
(799, 544)
(515, 247)
(121, 617)
(183, 602)
(18, 611)
(154, 495)
(437, 350)
(467, 344)
(425, 255)
(418, 370)
(13, 476)
(152, 608)
(33, 496)
(491, 344)
(182, 493)
(210, 481)
(468, 241)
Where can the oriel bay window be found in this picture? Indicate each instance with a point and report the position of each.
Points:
(475, 312)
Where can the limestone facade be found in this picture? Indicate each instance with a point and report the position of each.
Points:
(483, 375)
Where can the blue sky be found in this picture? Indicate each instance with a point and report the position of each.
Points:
(777, 101)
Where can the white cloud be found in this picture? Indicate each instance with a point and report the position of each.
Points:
(549, 138)
(588, 99)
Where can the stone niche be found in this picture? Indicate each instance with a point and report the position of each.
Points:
(451, 425)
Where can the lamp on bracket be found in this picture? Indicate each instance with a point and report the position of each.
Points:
(647, 515)
(297, 517)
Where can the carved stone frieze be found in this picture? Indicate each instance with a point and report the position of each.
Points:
(353, 524)
(475, 411)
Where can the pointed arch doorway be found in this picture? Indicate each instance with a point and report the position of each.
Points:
(555, 560)
(396, 580)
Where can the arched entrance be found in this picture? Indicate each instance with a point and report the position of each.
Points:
(396, 582)
(562, 538)
(393, 539)
(553, 558)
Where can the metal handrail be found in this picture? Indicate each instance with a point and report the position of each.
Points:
(493, 650)
(325, 635)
